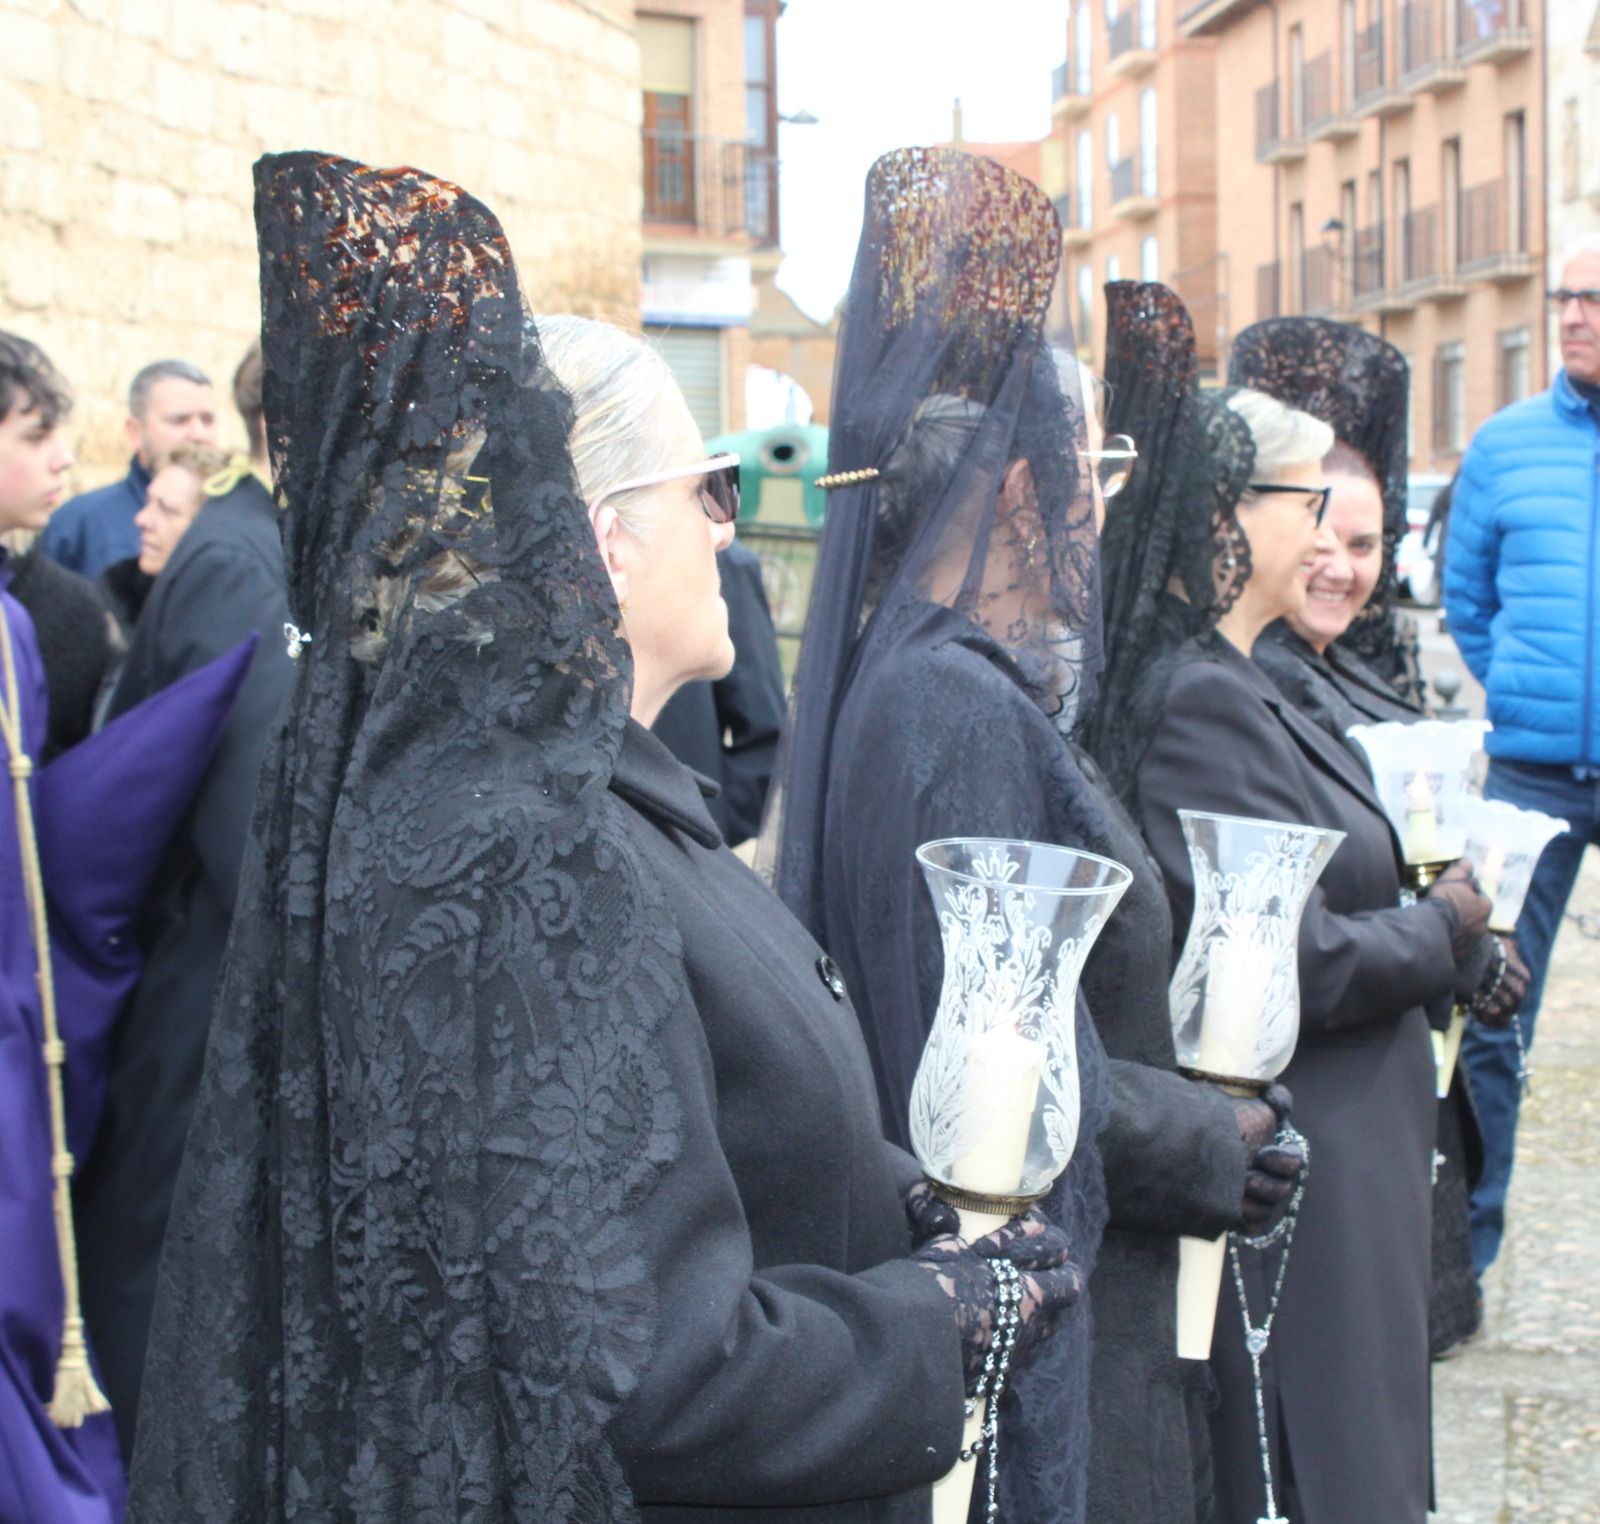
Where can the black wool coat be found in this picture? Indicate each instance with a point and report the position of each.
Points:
(1347, 1376)
(1338, 690)
(804, 1368)
(225, 580)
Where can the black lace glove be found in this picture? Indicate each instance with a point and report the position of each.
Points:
(929, 1216)
(1051, 1284)
(1457, 888)
(1504, 984)
(1273, 1167)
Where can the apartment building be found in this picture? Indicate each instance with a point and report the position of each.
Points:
(1380, 161)
(1131, 163)
(710, 136)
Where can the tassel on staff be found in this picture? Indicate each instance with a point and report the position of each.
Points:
(76, 1395)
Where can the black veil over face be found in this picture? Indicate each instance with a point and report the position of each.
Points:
(1174, 557)
(400, 1281)
(1358, 384)
(976, 497)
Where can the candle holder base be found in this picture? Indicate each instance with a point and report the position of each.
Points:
(1421, 877)
(1230, 1084)
(980, 1201)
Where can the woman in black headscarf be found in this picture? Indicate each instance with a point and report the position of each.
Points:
(536, 1173)
(952, 644)
(1357, 384)
(1219, 532)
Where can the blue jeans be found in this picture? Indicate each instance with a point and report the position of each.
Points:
(1491, 1057)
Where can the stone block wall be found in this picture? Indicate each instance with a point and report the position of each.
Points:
(128, 128)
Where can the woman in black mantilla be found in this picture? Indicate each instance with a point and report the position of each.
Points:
(536, 1173)
(1220, 530)
(1357, 384)
(952, 644)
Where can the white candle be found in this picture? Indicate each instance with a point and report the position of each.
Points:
(1489, 876)
(1200, 1262)
(1422, 844)
(1237, 975)
(1003, 1072)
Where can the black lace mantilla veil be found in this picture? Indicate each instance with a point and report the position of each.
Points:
(1173, 555)
(401, 1282)
(943, 379)
(1358, 384)
(973, 529)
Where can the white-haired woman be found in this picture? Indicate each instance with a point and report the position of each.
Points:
(1346, 1373)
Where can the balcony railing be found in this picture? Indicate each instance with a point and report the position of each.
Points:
(1069, 89)
(1425, 65)
(717, 187)
(1493, 237)
(1326, 115)
(1321, 285)
(1133, 39)
(1273, 145)
(1076, 229)
(1058, 81)
(1367, 283)
(1133, 187)
(1376, 93)
(1427, 267)
(1488, 31)
(1269, 302)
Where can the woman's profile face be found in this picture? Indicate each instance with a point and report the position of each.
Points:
(171, 503)
(1283, 534)
(1348, 562)
(676, 619)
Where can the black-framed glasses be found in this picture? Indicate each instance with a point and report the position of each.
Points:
(1587, 298)
(719, 492)
(1318, 495)
(1113, 463)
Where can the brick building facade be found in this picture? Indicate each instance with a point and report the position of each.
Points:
(1380, 161)
(127, 131)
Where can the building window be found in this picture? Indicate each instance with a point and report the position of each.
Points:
(1112, 7)
(1571, 150)
(1148, 142)
(1297, 257)
(1449, 400)
(1347, 48)
(758, 108)
(1085, 305)
(1405, 255)
(1113, 268)
(1411, 407)
(1082, 47)
(1516, 185)
(1085, 185)
(666, 56)
(1297, 68)
(1113, 141)
(1147, 23)
(1450, 203)
(1149, 258)
(1514, 376)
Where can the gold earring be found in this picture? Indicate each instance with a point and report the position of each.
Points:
(622, 606)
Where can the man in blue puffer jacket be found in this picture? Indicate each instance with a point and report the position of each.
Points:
(1522, 589)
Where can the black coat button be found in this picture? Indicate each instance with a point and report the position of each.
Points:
(828, 973)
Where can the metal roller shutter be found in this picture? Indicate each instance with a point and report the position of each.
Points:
(695, 356)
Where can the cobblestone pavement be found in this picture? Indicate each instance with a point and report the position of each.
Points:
(1517, 1415)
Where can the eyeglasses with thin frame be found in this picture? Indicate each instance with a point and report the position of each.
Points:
(1318, 495)
(1588, 299)
(1113, 463)
(719, 492)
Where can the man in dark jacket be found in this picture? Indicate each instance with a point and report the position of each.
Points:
(1520, 589)
(169, 402)
(728, 730)
(224, 581)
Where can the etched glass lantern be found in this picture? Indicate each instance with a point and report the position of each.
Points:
(1423, 775)
(1235, 994)
(994, 1106)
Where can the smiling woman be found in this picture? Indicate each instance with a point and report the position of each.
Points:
(1350, 557)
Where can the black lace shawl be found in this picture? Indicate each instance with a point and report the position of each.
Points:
(1173, 554)
(1359, 385)
(401, 1282)
(952, 639)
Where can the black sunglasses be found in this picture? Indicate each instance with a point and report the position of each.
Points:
(1588, 298)
(719, 492)
(1319, 495)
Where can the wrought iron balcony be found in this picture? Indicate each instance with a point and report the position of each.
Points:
(1376, 93)
(1426, 68)
(1327, 117)
(710, 187)
(1273, 145)
(1491, 31)
(1493, 238)
(1427, 267)
(1133, 188)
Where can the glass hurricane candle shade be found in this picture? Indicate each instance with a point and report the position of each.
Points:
(1504, 843)
(994, 1106)
(1423, 775)
(1235, 995)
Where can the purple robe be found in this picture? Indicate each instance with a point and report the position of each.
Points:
(104, 812)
